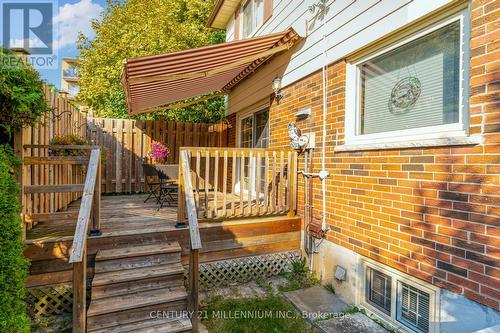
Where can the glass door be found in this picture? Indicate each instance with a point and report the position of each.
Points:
(254, 133)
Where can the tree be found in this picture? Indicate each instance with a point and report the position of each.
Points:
(138, 28)
(22, 98)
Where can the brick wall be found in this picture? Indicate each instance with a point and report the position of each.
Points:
(433, 213)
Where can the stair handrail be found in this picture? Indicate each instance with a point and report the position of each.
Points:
(89, 206)
(186, 187)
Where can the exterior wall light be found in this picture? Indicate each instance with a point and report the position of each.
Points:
(278, 94)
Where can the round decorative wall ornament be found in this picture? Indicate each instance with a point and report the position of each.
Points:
(404, 95)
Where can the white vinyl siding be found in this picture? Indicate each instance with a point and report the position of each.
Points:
(350, 25)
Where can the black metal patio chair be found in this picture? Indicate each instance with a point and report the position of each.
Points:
(153, 186)
(168, 175)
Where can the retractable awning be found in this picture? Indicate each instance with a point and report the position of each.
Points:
(153, 81)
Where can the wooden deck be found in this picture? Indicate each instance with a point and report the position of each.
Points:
(126, 220)
(119, 214)
(126, 214)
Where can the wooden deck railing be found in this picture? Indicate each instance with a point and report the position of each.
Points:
(240, 182)
(89, 207)
(194, 235)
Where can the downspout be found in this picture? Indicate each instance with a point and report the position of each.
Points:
(324, 172)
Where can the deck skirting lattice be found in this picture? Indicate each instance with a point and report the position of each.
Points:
(241, 270)
(49, 300)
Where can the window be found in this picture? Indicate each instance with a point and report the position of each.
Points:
(71, 72)
(73, 89)
(254, 133)
(253, 16)
(413, 90)
(379, 290)
(400, 299)
(413, 309)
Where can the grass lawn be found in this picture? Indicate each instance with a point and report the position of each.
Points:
(269, 313)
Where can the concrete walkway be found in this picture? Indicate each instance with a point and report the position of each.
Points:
(325, 309)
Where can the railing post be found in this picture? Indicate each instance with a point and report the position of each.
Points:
(96, 205)
(80, 294)
(194, 285)
(292, 176)
(181, 203)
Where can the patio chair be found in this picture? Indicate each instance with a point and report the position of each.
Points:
(168, 175)
(152, 186)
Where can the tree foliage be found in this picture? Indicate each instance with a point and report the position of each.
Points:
(22, 98)
(13, 265)
(136, 28)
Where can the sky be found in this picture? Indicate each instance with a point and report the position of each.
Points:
(72, 17)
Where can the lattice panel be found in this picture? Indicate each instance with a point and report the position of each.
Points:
(242, 270)
(49, 301)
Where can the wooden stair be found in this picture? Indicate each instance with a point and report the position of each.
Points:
(132, 283)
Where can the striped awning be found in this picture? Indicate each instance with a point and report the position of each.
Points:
(156, 81)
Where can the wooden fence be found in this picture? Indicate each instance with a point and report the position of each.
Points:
(30, 144)
(127, 143)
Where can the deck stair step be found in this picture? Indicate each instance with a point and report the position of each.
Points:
(137, 251)
(172, 325)
(135, 274)
(131, 282)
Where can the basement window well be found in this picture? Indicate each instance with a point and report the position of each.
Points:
(402, 300)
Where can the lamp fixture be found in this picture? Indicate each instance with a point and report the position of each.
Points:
(278, 94)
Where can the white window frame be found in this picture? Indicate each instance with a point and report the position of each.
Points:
(396, 278)
(256, 12)
(412, 136)
(239, 117)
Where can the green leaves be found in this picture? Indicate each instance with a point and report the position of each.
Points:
(139, 28)
(13, 265)
(22, 98)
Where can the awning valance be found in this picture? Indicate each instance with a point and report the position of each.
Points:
(158, 80)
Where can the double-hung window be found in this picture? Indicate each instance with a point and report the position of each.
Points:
(413, 90)
(253, 16)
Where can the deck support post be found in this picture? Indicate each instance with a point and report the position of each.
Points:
(80, 294)
(194, 286)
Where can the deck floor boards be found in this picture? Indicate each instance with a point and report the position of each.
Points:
(118, 213)
(129, 213)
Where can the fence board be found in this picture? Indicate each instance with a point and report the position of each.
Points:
(128, 142)
(63, 119)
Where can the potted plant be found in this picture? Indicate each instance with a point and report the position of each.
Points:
(159, 152)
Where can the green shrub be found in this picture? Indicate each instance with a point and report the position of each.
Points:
(13, 265)
(68, 139)
(299, 277)
(22, 98)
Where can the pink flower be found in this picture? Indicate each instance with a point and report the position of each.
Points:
(159, 151)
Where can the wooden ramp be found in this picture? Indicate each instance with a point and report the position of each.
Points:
(132, 283)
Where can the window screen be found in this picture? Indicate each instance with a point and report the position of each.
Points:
(379, 290)
(415, 85)
(413, 309)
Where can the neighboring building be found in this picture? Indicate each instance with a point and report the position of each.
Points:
(410, 121)
(69, 77)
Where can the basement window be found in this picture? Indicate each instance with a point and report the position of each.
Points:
(413, 309)
(412, 90)
(379, 290)
(405, 302)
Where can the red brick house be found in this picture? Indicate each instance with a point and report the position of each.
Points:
(403, 100)
(393, 106)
